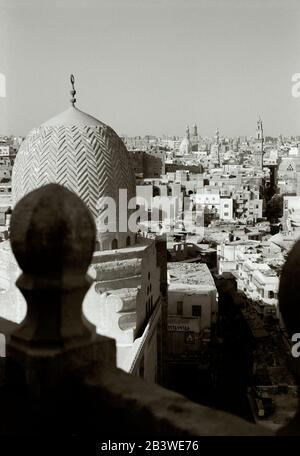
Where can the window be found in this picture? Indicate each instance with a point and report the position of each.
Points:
(226, 214)
(196, 311)
(179, 307)
(271, 294)
(226, 206)
(128, 241)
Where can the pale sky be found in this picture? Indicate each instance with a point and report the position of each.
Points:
(152, 66)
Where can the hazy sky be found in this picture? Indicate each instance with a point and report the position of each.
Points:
(152, 66)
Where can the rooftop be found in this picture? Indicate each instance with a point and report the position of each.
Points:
(190, 274)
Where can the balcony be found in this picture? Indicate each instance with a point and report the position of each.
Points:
(58, 373)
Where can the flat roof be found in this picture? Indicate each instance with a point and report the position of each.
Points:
(190, 274)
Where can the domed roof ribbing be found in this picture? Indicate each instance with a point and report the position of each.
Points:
(78, 151)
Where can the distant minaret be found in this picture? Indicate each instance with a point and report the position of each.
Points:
(218, 144)
(259, 130)
(259, 152)
(195, 131)
(187, 132)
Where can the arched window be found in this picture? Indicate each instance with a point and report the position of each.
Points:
(114, 244)
(128, 241)
(156, 191)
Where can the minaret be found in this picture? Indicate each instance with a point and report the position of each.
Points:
(218, 145)
(259, 130)
(259, 152)
(195, 131)
(187, 132)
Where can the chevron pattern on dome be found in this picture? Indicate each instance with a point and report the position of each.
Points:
(90, 160)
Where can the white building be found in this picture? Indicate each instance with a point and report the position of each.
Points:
(258, 281)
(192, 307)
(223, 206)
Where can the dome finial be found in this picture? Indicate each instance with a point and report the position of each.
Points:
(73, 91)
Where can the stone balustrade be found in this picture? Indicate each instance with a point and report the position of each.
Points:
(58, 372)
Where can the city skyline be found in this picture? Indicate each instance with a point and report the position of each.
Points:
(152, 68)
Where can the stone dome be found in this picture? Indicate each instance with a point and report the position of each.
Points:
(83, 154)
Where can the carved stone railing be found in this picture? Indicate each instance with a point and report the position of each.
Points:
(59, 373)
